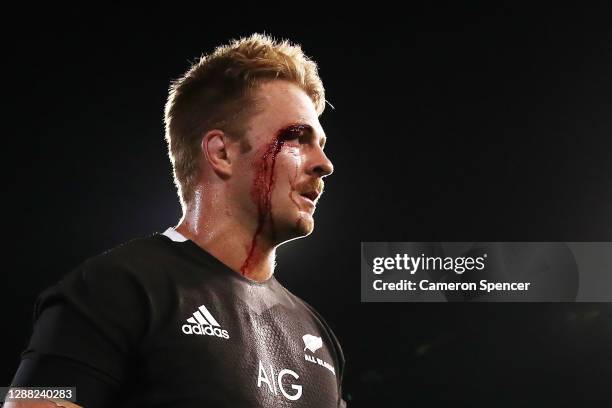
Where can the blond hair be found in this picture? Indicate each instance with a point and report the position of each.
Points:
(217, 93)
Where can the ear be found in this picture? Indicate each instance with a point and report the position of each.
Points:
(216, 145)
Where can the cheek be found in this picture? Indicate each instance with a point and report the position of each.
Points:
(291, 162)
(243, 177)
(291, 150)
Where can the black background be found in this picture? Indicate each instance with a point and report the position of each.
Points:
(464, 123)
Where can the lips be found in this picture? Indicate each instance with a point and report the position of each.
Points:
(311, 195)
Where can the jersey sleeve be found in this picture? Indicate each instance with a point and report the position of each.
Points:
(341, 362)
(86, 328)
(337, 351)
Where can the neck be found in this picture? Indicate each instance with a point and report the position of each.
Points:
(213, 228)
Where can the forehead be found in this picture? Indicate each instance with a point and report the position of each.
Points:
(280, 103)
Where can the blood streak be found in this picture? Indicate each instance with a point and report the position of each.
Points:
(263, 185)
(292, 184)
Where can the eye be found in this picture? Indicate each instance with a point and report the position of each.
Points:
(293, 133)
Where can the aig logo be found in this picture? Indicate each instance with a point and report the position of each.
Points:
(275, 382)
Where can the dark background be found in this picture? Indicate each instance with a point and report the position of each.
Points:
(464, 123)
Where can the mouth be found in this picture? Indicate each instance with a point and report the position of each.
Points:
(310, 197)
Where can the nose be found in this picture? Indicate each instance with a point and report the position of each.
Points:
(319, 164)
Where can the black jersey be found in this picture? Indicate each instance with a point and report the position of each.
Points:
(159, 322)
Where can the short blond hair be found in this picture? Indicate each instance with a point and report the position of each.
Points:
(216, 93)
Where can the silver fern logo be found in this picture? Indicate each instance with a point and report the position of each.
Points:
(312, 343)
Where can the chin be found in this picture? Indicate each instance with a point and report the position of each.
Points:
(299, 228)
(305, 226)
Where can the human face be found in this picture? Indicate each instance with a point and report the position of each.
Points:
(286, 164)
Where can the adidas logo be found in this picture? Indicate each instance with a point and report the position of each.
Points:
(203, 323)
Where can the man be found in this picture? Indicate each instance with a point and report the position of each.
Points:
(194, 316)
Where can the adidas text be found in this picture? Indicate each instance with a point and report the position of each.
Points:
(205, 330)
(203, 323)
